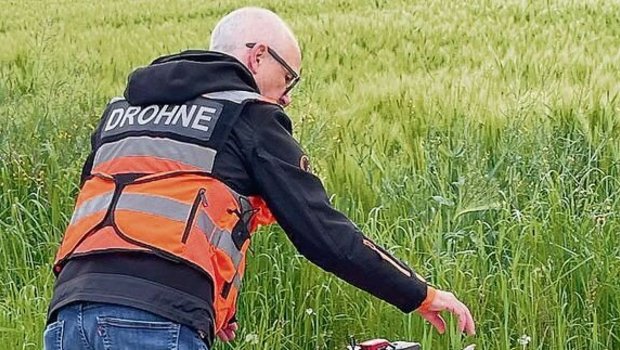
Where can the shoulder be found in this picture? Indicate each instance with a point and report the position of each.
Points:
(271, 131)
(263, 116)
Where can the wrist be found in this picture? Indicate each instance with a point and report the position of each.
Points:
(430, 296)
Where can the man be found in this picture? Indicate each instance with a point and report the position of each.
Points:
(197, 155)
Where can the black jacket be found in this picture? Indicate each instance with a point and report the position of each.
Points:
(260, 158)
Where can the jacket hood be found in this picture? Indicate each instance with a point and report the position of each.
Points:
(184, 76)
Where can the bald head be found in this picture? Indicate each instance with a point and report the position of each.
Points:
(274, 59)
(250, 25)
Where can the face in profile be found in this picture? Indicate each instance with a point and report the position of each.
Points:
(276, 73)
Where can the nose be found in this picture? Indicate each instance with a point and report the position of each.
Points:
(285, 100)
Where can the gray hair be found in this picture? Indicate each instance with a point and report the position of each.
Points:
(250, 24)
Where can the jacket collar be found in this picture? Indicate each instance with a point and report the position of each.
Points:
(184, 76)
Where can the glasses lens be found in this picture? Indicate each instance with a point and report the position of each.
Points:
(291, 85)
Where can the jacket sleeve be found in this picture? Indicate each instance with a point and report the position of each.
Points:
(322, 234)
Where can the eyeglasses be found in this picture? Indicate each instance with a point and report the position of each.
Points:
(295, 77)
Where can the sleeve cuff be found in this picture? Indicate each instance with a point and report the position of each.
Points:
(430, 295)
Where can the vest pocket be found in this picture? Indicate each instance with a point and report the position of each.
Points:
(200, 198)
(152, 220)
(225, 309)
(226, 267)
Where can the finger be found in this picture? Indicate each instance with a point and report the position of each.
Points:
(226, 337)
(466, 321)
(471, 326)
(233, 326)
(457, 309)
(223, 336)
(461, 321)
(436, 320)
(229, 334)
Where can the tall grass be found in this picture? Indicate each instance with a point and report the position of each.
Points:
(479, 141)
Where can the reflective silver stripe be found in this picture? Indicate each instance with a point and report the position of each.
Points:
(165, 207)
(223, 240)
(237, 281)
(215, 238)
(156, 205)
(91, 206)
(235, 96)
(226, 244)
(204, 223)
(197, 156)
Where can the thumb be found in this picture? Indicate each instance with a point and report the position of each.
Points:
(435, 319)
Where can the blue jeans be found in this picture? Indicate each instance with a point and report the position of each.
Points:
(97, 326)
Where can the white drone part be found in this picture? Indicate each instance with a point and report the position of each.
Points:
(403, 345)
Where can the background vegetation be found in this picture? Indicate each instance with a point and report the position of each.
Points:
(477, 140)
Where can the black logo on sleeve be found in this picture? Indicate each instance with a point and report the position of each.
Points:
(304, 163)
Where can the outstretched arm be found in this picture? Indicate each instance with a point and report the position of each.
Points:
(328, 238)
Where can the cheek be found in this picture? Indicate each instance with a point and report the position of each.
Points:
(276, 78)
(276, 81)
(271, 81)
(265, 81)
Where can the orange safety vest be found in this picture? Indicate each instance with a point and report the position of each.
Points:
(150, 190)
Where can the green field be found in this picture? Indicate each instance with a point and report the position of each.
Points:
(479, 141)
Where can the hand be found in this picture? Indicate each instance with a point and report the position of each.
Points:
(437, 301)
(227, 333)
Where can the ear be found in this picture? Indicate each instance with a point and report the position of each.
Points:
(256, 56)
